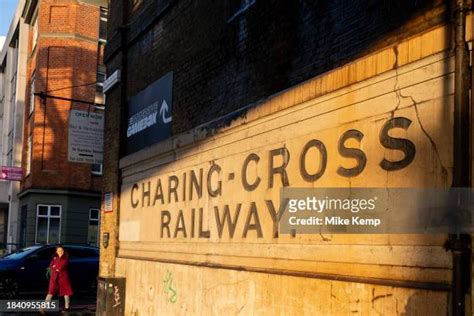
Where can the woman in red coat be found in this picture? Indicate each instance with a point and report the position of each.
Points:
(59, 280)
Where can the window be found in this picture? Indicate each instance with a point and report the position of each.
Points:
(2, 83)
(12, 114)
(44, 254)
(99, 88)
(100, 55)
(13, 83)
(94, 224)
(103, 24)
(14, 59)
(10, 148)
(100, 79)
(34, 39)
(13, 88)
(99, 94)
(48, 224)
(97, 169)
(32, 94)
(29, 147)
(104, 12)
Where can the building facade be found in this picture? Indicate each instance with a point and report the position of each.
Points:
(222, 104)
(58, 200)
(13, 56)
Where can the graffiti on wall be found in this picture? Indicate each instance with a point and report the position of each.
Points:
(169, 289)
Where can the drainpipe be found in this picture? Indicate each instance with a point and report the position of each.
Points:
(460, 244)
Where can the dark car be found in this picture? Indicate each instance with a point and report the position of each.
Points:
(25, 270)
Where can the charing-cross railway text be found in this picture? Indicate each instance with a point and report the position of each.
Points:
(162, 193)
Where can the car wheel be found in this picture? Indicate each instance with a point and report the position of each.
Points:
(10, 288)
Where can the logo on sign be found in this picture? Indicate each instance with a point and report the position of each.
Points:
(11, 173)
(142, 120)
(149, 115)
(147, 118)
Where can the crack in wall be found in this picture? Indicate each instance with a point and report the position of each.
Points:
(399, 101)
(400, 96)
(396, 88)
(323, 238)
(425, 132)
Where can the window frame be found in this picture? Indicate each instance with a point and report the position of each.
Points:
(99, 81)
(103, 20)
(29, 153)
(98, 173)
(35, 31)
(48, 216)
(98, 224)
(10, 147)
(32, 94)
(99, 86)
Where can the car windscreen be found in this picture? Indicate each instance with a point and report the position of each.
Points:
(19, 254)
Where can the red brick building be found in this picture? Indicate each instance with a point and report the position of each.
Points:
(60, 200)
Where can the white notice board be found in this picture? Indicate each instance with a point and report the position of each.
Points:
(86, 137)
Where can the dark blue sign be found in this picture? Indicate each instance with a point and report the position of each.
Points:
(149, 115)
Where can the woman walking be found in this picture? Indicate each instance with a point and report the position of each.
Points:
(59, 280)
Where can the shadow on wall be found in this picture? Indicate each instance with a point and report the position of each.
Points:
(417, 305)
(68, 72)
(231, 60)
(273, 47)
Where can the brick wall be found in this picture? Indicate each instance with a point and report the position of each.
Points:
(223, 61)
(65, 65)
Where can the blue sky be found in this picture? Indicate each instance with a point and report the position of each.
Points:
(7, 9)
